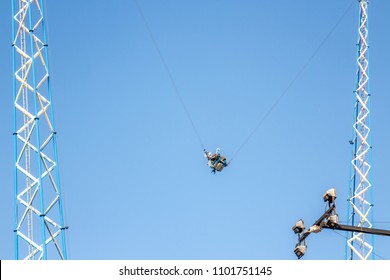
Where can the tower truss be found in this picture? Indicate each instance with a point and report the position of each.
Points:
(39, 230)
(360, 208)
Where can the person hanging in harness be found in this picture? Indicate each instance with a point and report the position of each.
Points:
(215, 161)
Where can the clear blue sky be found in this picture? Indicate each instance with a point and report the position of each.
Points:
(135, 182)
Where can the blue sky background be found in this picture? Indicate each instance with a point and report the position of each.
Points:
(135, 182)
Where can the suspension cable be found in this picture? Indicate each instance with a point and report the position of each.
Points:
(273, 106)
(296, 77)
(167, 70)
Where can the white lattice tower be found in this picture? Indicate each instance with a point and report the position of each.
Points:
(39, 224)
(360, 189)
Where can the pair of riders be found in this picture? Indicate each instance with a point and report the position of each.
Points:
(215, 161)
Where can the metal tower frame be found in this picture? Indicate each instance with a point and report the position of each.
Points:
(360, 209)
(39, 230)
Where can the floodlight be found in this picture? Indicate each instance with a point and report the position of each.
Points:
(330, 195)
(299, 226)
(300, 250)
(333, 220)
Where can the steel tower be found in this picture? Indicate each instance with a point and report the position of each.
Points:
(360, 209)
(39, 230)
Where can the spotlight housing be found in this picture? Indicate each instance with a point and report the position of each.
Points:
(330, 195)
(300, 250)
(299, 227)
(333, 220)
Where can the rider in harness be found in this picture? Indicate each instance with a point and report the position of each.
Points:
(215, 161)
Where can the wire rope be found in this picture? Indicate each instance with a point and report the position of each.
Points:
(273, 106)
(296, 77)
(167, 70)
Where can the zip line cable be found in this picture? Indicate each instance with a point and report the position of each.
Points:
(169, 73)
(296, 77)
(273, 106)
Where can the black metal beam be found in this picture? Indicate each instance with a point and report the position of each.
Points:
(359, 229)
(319, 222)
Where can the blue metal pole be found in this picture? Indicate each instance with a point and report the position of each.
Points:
(370, 140)
(16, 239)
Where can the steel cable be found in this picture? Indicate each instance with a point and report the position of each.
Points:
(169, 73)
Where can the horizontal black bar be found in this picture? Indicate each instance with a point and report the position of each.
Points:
(359, 229)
